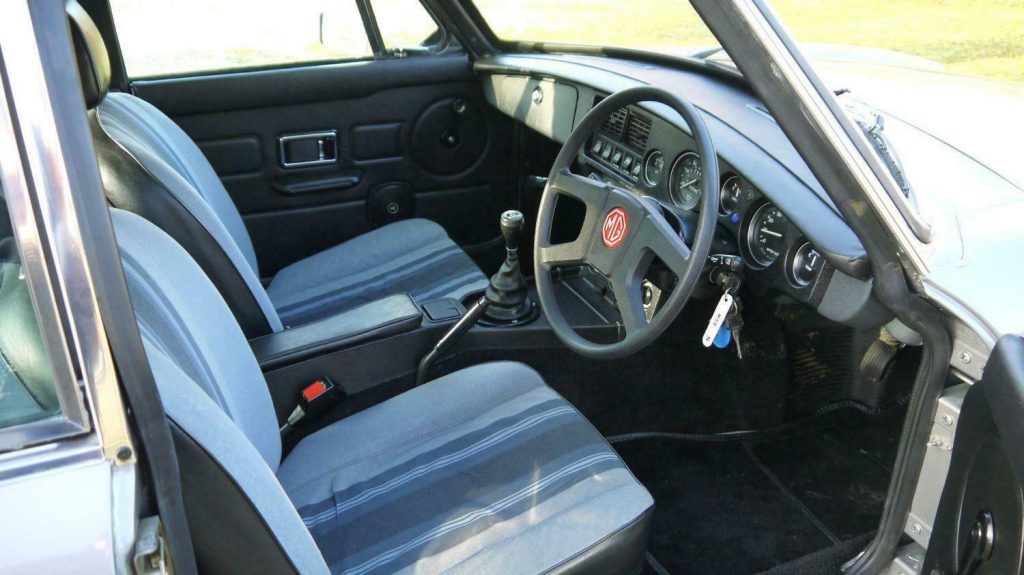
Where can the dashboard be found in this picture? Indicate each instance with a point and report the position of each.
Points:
(772, 210)
(640, 152)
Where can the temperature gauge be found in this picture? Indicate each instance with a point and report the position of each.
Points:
(731, 196)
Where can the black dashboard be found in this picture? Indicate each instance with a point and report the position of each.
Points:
(772, 210)
(645, 154)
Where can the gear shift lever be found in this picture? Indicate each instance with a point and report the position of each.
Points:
(512, 226)
(505, 302)
(510, 304)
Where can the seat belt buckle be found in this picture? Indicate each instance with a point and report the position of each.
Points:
(319, 396)
(314, 399)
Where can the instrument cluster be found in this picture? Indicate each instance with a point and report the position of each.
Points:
(632, 151)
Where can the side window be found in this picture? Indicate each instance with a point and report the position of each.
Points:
(405, 25)
(28, 390)
(188, 36)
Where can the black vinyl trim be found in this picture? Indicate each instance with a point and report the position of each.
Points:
(620, 552)
(231, 535)
(376, 320)
(102, 14)
(241, 90)
(129, 186)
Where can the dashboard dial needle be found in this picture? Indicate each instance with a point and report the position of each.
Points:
(771, 232)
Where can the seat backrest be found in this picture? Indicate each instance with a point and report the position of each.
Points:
(220, 410)
(151, 167)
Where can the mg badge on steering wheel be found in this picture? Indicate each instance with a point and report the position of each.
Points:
(616, 224)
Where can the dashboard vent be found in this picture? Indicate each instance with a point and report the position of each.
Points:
(638, 131)
(616, 123)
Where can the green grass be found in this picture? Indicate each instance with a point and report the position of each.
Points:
(972, 38)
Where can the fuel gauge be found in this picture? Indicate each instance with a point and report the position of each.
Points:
(804, 265)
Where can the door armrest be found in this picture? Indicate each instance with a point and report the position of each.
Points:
(375, 320)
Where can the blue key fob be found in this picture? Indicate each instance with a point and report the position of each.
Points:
(723, 338)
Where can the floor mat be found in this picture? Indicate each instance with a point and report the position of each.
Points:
(743, 507)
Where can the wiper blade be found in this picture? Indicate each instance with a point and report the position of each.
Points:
(875, 134)
(872, 124)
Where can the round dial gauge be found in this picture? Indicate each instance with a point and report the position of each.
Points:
(654, 168)
(766, 236)
(805, 265)
(685, 181)
(732, 196)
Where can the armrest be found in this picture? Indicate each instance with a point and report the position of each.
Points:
(375, 320)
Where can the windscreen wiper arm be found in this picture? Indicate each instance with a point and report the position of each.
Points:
(872, 125)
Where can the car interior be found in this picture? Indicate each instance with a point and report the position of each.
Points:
(450, 313)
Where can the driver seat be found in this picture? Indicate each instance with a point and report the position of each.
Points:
(486, 470)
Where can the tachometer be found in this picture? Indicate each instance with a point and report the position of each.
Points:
(685, 181)
(766, 235)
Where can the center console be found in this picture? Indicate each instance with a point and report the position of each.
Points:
(395, 337)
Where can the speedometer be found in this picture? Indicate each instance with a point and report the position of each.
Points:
(685, 181)
(766, 236)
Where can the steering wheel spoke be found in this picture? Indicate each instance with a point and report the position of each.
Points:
(665, 243)
(592, 193)
(626, 283)
(567, 254)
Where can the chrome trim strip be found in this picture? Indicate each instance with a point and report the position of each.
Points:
(59, 227)
(36, 263)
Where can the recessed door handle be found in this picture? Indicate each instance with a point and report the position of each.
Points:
(308, 149)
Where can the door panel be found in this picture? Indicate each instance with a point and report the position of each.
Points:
(983, 491)
(414, 136)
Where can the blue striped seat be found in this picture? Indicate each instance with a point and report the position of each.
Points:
(486, 470)
(412, 256)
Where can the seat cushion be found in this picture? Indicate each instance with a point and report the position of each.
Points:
(486, 470)
(411, 256)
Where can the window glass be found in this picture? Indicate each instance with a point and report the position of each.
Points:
(665, 26)
(181, 36)
(961, 37)
(27, 385)
(405, 24)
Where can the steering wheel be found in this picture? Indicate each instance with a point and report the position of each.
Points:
(622, 233)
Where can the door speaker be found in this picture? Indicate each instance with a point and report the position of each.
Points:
(450, 136)
(389, 203)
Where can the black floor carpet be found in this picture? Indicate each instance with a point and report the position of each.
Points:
(675, 384)
(743, 507)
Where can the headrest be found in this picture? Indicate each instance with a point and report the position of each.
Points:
(90, 53)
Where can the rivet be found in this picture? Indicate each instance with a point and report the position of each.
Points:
(124, 454)
(965, 357)
(947, 420)
(916, 528)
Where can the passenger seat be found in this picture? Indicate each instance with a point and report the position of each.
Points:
(150, 167)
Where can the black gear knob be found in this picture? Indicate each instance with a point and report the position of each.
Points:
(512, 226)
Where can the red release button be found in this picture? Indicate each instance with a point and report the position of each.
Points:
(314, 390)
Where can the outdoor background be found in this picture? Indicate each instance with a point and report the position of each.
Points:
(974, 38)
(977, 38)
